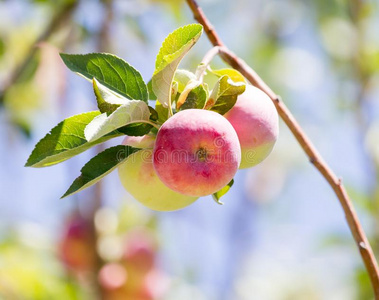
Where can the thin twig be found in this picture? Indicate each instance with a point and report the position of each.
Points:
(314, 157)
(200, 71)
(362, 76)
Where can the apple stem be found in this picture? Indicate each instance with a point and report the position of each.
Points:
(201, 69)
(170, 112)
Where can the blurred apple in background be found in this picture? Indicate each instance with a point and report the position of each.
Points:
(76, 249)
(140, 250)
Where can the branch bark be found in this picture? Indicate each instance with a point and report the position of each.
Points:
(310, 150)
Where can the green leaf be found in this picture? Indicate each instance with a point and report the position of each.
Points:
(224, 95)
(232, 73)
(183, 77)
(162, 112)
(65, 141)
(107, 101)
(136, 129)
(196, 98)
(192, 84)
(173, 49)
(153, 114)
(111, 71)
(152, 96)
(216, 196)
(99, 166)
(134, 111)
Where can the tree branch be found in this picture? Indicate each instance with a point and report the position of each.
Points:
(314, 157)
(200, 71)
(62, 15)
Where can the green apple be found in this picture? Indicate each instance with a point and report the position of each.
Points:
(138, 177)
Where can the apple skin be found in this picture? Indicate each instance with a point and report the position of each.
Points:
(255, 119)
(138, 177)
(146, 141)
(196, 152)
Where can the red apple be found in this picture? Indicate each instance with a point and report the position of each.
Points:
(196, 152)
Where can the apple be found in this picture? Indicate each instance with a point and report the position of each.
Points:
(138, 177)
(112, 276)
(255, 119)
(196, 152)
(139, 253)
(145, 141)
(76, 247)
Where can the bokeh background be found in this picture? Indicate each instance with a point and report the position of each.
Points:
(281, 233)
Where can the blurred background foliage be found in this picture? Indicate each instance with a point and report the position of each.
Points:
(281, 233)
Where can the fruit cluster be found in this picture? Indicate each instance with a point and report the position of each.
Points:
(189, 145)
(197, 152)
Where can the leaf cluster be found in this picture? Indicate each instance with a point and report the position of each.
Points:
(123, 109)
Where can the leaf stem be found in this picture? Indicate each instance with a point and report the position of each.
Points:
(200, 71)
(170, 112)
(314, 156)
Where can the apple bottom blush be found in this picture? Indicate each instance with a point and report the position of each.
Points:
(196, 152)
(138, 177)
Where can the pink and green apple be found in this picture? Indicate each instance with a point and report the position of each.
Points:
(255, 119)
(196, 152)
(138, 177)
(143, 142)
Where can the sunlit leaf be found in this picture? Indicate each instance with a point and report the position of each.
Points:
(216, 196)
(107, 101)
(231, 73)
(183, 77)
(152, 96)
(162, 112)
(173, 49)
(224, 95)
(194, 97)
(133, 111)
(65, 141)
(111, 71)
